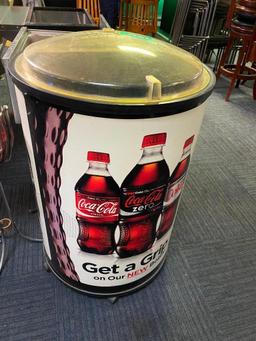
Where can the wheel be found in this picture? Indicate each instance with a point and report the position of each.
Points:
(46, 266)
(113, 299)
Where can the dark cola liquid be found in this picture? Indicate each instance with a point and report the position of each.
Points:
(167, 219)
(181, 169)
(96, 238)
(97, 197)
(102, 186)
(174, 189)
(137, 237)
(142, 195)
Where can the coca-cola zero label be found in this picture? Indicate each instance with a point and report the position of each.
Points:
(139, 202)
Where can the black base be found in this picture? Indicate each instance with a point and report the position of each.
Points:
(112, 293)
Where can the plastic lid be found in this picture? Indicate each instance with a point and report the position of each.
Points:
(153, 140)
(98, 157)
(113, 67)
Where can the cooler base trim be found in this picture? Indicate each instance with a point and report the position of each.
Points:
(121, 292)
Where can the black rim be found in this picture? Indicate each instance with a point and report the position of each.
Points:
(112, 110)
(62, 26)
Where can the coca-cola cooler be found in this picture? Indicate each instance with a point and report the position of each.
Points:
(110, 120)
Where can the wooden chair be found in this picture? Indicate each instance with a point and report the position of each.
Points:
(93, 8)
(241, 21)
(139, 16)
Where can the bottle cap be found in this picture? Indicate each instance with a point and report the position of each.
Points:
(188, 141)
(153, 140)
(98, 157)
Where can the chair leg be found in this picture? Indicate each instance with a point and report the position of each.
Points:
(243, 82)
(224, 56)
(254, 90)
(239, 67)
(120, 25)
(230, 88)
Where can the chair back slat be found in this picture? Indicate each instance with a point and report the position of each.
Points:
(139, 16)
(93, 8)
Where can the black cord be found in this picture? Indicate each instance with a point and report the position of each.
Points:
(2, 257)
(21, 234)
(5, 225)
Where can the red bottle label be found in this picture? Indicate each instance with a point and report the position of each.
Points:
(174, 190)
(137, 202)
(100, 209)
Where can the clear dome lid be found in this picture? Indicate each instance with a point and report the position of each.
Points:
(114, 67)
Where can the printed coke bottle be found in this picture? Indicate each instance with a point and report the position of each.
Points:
(142, 195)
(97, 206)
(175, 186)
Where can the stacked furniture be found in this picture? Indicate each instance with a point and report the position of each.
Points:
(93, 8)
(192, 25)
(139, 16)
(241, 22)
(218, 36)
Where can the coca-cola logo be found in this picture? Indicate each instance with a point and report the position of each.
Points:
(152, 197)
(102, 208)
(176, 190)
